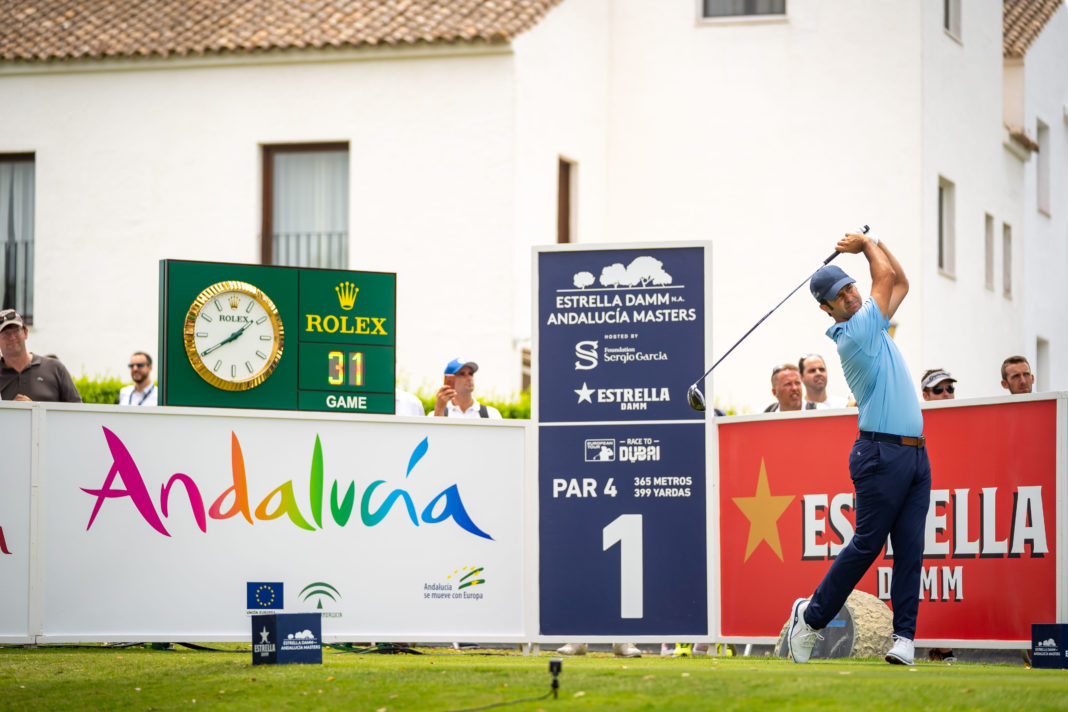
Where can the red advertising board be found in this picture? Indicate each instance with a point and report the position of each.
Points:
(990, 558)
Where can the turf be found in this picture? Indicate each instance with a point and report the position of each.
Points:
(135, 678)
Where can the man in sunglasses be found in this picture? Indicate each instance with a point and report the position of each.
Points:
(142, 391)
(937, 384)
(26, 376)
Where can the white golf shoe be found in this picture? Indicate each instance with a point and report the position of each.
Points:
(902, 653)
(572, 649)
(626, 650)
(800, 636)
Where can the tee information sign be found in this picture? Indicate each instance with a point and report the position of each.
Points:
(621, 456)
(282, 338)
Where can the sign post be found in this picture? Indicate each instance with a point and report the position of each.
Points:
(620, 336)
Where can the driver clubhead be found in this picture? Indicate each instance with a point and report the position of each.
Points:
(695, 398)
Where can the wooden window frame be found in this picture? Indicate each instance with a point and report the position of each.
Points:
(269, 151)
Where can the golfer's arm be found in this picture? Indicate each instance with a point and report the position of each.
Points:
(901, 282)
(883, 278)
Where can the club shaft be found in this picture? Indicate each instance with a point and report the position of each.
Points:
(753, 328)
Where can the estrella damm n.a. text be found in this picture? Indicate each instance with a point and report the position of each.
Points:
(346, 324)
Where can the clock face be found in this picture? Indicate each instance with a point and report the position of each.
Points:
(233, 336)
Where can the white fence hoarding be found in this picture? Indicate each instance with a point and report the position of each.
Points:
(176, 524)
(15, 556)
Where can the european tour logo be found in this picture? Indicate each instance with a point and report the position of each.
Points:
(281, 501)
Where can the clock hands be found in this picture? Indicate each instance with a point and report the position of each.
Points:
(227, 340)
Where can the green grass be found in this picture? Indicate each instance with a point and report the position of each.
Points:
(135, 678)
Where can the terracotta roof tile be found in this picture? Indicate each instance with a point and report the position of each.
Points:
(42, 30)
(1022, 22)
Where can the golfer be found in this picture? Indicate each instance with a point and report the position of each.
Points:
(888, 463)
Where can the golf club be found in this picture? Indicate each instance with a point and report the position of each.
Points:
(694, 396)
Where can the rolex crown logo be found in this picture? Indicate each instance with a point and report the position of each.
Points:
(346, 294)
(235, 301)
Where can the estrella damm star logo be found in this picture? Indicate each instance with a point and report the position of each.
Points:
(763, 510)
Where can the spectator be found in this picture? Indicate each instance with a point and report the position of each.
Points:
(25, 376)
(814, 375)
(456, 398)
(407, 404)
(142, 391)
(786, 387)
(937, 384)
(1016, 375)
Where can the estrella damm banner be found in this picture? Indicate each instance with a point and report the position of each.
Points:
(990, 561)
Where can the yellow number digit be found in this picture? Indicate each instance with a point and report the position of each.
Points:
(335, 368)
(356, 368)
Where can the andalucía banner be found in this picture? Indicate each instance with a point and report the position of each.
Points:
(990, 560)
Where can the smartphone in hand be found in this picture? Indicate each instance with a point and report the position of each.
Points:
(450, 380)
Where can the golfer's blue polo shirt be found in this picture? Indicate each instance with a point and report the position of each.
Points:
(876, 373)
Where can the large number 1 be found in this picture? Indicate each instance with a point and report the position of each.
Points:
(626, 530)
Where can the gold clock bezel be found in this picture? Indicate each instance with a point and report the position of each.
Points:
(189, 329)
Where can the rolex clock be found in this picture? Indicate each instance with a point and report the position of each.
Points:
(233, 335)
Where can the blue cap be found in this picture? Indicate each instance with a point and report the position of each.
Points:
(457, 363)
(827, 282)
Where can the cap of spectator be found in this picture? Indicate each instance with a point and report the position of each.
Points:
(937, 384)
(457, 363)
(1016, 375)
(10, 317)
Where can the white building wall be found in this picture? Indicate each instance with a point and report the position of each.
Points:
(1044, 262)
(562, 80)
(135, 165)
(968, 327)
(771, 139)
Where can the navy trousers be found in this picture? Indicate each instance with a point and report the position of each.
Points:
(893, 488)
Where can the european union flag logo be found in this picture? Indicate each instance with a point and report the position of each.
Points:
(264, 594)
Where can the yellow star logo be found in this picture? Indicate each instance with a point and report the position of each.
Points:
(763, 511)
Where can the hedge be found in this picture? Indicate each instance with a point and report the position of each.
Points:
(105, 389)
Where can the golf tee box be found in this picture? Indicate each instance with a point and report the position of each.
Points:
(285, 638)
(1049, 645)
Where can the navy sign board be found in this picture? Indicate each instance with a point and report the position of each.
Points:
(1049, 645)
(284, 638)
(620, 336)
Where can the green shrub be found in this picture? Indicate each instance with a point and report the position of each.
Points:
(511, 408)
(514, 407)
(105, 389)
(101, 389)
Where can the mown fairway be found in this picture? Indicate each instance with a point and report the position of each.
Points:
(139, 679)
